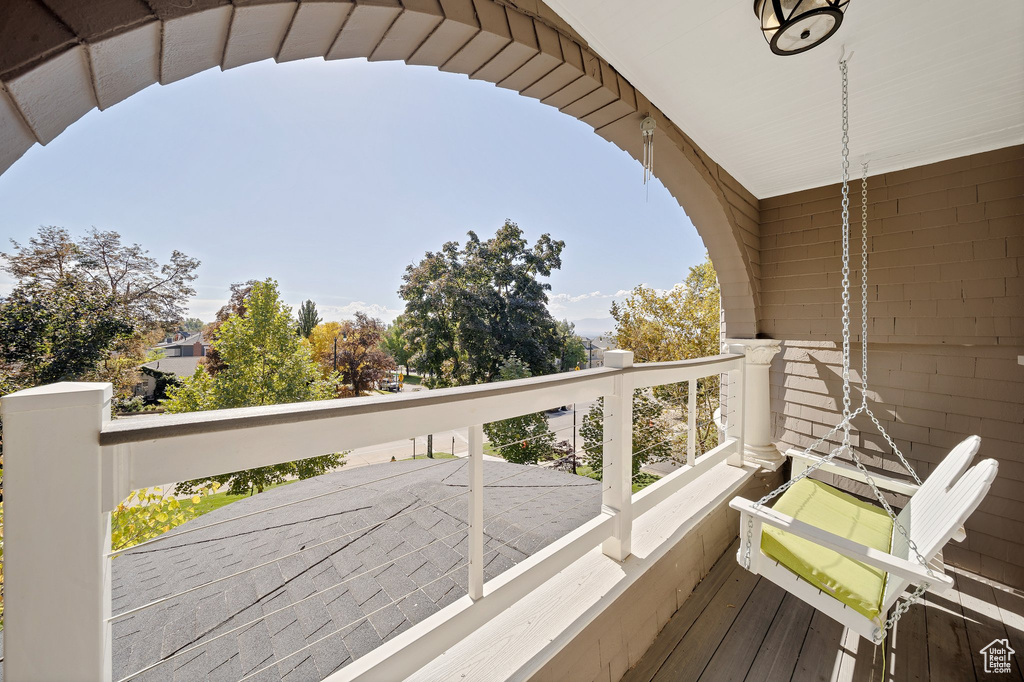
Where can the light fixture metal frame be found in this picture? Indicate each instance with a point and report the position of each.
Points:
(834, 8)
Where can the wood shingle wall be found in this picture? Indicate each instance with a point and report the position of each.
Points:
(946, 302)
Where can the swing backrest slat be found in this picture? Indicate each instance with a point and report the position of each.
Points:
(932, 521)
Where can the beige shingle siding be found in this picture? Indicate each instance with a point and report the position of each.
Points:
(946, 296)
(928, 397)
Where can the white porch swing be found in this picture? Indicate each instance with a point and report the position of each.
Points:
(847, 558)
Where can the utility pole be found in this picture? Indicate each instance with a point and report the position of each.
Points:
(430, 445)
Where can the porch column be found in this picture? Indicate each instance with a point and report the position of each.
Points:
(757, 410)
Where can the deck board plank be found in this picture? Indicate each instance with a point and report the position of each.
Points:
(744, 639)
(862, 660)
(688, 660)
(982, 619)
(1011, 613)
(736, 626)
(909, 658)
(775, 659)
(819, 657)
(678, 625)
(949, 652)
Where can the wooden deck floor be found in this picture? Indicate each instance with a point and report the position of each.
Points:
(736, 626)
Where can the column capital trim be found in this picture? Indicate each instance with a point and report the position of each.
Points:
(757, 351)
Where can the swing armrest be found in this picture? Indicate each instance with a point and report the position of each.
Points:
(869, 555)
(853, 473)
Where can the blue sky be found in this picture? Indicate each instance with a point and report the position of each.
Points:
(333, 176)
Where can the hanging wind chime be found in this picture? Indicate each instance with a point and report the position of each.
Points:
(647, 127)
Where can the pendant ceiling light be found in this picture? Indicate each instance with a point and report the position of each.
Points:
(795, 26)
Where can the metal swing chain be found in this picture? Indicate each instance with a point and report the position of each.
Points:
(849, 415)
(846, 257)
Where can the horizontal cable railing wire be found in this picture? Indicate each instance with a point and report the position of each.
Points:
(531, 438)
(180, 533)
(186, 531)
(404, 596)
(372, 526)
(461, 531)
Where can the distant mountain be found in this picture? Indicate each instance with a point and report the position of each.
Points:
(594, 326)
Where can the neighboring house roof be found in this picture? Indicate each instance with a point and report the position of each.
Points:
(180, 366)
(174, 565)
(189, 340)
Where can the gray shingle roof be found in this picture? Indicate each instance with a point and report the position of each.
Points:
(180, 366)
(197, 337)
(391, 571)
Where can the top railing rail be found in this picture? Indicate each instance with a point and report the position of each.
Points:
(156, 427)
(69, 465)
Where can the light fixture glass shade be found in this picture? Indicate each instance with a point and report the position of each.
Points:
(795, 26)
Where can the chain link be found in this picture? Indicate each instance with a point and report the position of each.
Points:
(849, 415)
(846, 256)
(879, 634)
(864, 284)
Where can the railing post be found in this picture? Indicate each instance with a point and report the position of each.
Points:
(617, 496)
(737, 430)
(691, 423)
(476, 511)
(56, 533)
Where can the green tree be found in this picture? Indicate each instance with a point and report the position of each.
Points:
(652, 435)
(193, 325)
(572, 351)
(528, 438)
(265, 363)
(235, 306)
(60, 332)
(307, 318)
(395, 344)
(469, 308)
(148, 292)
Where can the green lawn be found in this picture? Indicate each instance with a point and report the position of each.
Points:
(216, 501)
(437, 455)
(413, 379)
(639, 483)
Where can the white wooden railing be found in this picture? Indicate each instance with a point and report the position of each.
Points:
(67, 465)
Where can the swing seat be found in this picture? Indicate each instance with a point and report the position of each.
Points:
(855, 583)
(845, 557)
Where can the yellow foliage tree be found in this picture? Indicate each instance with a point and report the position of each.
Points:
(151, 512)
(321, 345)
(680, 324)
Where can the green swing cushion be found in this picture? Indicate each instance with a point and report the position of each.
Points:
(855, 584)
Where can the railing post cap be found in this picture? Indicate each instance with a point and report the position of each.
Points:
(618, 359)
(57, 396)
